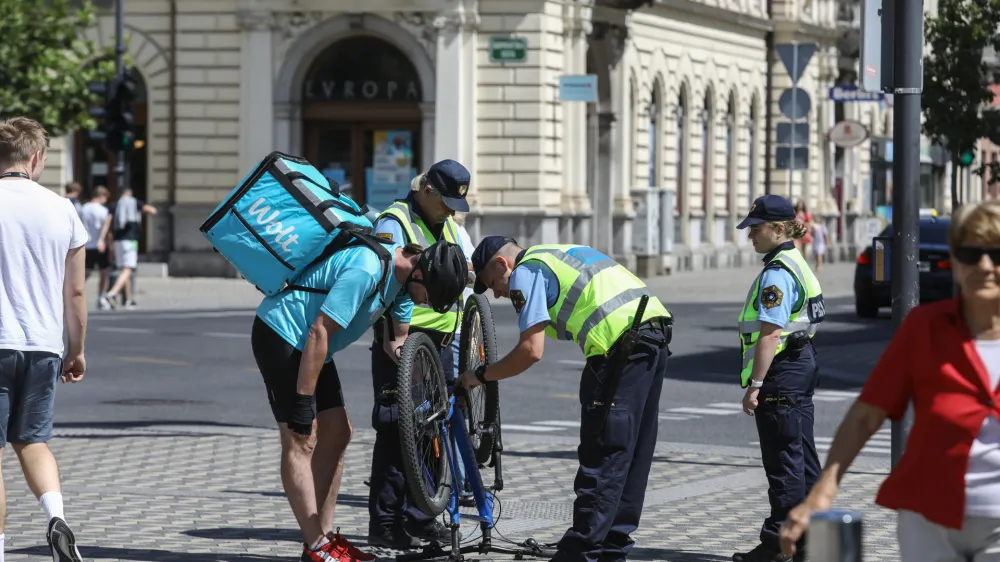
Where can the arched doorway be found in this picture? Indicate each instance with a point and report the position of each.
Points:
(362, 119)
(94, 165)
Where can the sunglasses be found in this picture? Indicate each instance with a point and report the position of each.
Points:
(970, 255)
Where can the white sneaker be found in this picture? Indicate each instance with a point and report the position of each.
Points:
(103, 303)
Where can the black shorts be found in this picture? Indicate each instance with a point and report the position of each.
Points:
(98, 258)
(279, 365)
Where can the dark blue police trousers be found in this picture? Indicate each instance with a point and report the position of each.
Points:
(389, 504)
(785, 417)
(611, 482)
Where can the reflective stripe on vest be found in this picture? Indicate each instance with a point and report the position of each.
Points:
(806, 319)
(596, 301)
(416, 232)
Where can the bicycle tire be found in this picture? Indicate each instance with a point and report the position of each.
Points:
(479, 316)
(432, 502)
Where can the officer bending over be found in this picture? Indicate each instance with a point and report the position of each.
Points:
(295, 335)
(778, 321)
(556, 291)
(423, 218)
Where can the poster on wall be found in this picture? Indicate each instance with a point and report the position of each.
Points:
(392, 168)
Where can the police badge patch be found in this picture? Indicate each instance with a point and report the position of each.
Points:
(771, 296)
(517, 298)
(387, 236)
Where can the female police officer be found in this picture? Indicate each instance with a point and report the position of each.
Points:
(779, 371)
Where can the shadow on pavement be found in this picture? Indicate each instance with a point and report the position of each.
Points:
(138, 424)
(260, 534)
(147, 555)
(352, 500)
(571, 455)
(670, 555)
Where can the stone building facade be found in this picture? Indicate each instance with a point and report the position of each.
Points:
(658, 171)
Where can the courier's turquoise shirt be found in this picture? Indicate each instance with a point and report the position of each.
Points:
(351, 276)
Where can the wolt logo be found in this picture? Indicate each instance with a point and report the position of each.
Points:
(282, 235)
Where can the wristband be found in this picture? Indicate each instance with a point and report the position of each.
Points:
(301, 417)
(756, 384)
(481, 373)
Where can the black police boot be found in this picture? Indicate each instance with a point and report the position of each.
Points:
(761, 553)
(395, 538)
(432, 531)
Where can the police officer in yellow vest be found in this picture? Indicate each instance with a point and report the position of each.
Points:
(423, 217)
(576, 293)
(777, 323)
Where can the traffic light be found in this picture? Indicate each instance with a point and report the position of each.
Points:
(967, 158)
(120, 120)
(99, 111)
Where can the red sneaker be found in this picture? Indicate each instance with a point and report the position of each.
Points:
(326, 553)
(347, 551)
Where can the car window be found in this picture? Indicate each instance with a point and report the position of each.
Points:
(935, 232)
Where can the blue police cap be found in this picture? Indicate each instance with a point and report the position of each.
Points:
(452, 180)
(768, 208)
(484, 254)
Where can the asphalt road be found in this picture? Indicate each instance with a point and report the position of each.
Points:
(197, 367)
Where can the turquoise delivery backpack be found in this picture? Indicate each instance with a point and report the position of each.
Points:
(284, 217)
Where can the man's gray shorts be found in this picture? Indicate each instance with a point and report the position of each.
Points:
(27, 395)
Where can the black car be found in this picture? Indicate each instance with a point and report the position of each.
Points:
(934, 267)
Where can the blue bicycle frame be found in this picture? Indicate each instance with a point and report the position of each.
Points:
(484, 499)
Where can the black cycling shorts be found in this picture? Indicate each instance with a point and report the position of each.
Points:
(279, 365)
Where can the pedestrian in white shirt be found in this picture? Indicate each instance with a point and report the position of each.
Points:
(42, 263)
(94, 213)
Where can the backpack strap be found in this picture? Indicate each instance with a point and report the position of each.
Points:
(350, 238)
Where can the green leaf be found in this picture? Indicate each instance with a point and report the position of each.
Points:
(48, 64)
(956, 83)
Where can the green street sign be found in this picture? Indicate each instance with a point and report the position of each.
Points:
(508, 49)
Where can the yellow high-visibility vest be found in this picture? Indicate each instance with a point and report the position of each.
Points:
(598, 297)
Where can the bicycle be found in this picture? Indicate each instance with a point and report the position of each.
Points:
(439, 422)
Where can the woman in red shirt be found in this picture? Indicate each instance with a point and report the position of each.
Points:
(945, 358)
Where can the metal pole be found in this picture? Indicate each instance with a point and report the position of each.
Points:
(954, 185)
(119, 74)
(791, 157)
(908, 65)
(835, 535)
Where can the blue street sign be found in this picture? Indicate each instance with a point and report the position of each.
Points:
(791, 157)
(792, 133)
(795, 57)
(794, 103)
(851, 93)
(578, 88)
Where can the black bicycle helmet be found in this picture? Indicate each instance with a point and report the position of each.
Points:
(445, 274)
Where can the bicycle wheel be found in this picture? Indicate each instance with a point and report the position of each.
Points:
(478, 346)
(423, 408)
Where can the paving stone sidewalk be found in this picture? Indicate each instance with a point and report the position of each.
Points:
(207, 493)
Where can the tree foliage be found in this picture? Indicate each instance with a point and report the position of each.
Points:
(46, 63)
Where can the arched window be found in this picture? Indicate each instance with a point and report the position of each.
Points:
(706, 153)
(681, 150)
(360, 69)
(730, 160)
(752, 152)
(654, 135)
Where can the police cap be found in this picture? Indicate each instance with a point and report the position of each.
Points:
(768, 208)
(484, 254)
(451, 179)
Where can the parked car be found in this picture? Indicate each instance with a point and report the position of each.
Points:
(934, 267)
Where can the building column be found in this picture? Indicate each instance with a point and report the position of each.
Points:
(576, 29)
(455, 127)
(256, 88)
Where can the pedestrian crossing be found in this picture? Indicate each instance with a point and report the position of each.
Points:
(879, 444)
(687, 413)
(736, 407)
